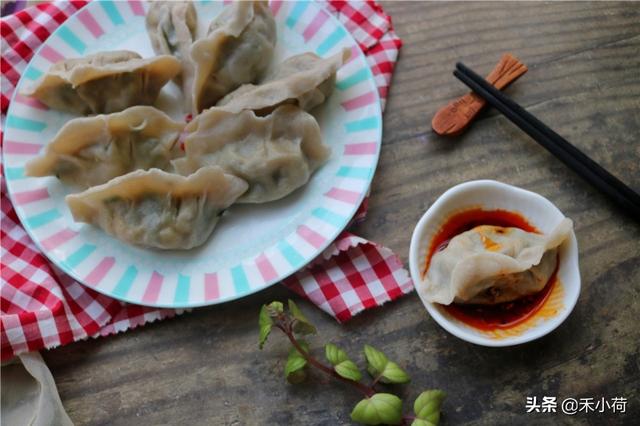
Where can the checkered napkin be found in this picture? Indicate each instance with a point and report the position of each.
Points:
(44, 308)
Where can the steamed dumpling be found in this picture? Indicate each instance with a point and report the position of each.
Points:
(275, 154)
(237, 49)
(305, 80)
(158, 209)
(89, 151)
(104, 82)
(492, 264)
(172, 27)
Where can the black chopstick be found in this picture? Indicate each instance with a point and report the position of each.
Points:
(554, 143)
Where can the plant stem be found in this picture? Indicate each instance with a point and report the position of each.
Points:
(406, 420)
(286, 329)
(376, 380)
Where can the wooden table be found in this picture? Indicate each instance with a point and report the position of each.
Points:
(584, 81)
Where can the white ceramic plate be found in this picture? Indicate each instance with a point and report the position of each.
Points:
(253, 246)
(539, 212)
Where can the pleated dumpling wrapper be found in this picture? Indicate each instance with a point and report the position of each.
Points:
(493, 264)
(305, 80)
(236, 50)
(89, 151)
(156, 209)
(275, 154)
(172, 27)
(103, 82)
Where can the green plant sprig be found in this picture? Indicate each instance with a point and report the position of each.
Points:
(376, 408)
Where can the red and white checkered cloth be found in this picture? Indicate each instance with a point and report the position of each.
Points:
(44, 308)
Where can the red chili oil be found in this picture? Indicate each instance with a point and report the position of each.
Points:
(503, 315)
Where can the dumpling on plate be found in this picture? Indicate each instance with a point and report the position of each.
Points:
(237, 49)
(493, 264)
(275, 154)
(305, 80)
(88, 151)
(172, 27)
(103, 82)
(153, 208)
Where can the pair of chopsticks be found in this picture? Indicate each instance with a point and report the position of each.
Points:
(571, 156)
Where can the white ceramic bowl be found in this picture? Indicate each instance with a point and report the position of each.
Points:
(492, 195)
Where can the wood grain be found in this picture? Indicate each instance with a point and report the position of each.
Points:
(584, 81)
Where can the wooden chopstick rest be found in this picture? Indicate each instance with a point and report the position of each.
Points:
(455, 117)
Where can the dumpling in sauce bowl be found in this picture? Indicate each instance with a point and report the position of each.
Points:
(492, 264)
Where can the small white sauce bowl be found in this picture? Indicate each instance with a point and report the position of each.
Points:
(492, 195)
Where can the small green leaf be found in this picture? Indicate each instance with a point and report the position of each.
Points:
(334, 354)
(341, 362)
(381, 408)
(376, 360)
(349, 370)
(427, 405)
(265, 323)
(275, 308)
(301, 324)
(420, 422)
(294, 368)
(379, 365)
(394, 374)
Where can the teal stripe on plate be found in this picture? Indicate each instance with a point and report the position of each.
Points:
(32, 73)
(112, 12)
(296, 13)
(329, 217)
(14, 172)
(79, 255)
(293, 257)
(240, 281)
(126, 281)
(354, 172)
(333, 39)
(355, 78)
(43, 218)
(25, 124)
(182, 289)
(368, 123)
(71, 39)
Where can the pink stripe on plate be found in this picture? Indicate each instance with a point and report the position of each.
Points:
(32, 102)
(359, 101)
(315, 25)
(31, 196)
(89, 21)
(24, 148)
(58, 238)
(311, 236)
(153, 288)
(50, 54)
(266, 268)
(355, 52)
(363, 148)
(136, 7)
(275, 6)
(211, 287)
(100, 271)
(343, 195)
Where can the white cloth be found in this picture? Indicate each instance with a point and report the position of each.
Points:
(29, 394)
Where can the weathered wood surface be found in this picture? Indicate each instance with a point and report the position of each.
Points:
(584, 81)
